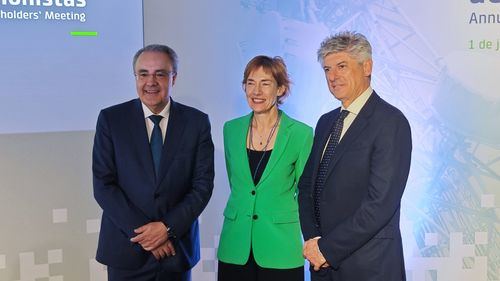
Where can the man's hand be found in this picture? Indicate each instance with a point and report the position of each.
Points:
(150, 236)
(164, 250)
(312, 253)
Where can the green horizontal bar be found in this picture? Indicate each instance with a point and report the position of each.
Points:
(83, 33)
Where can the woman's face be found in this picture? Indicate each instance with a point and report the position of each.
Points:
(262, 90)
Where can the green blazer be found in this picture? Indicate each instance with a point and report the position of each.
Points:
(265, 217)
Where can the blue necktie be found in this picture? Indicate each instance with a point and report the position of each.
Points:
(156, 142)
(325, 161)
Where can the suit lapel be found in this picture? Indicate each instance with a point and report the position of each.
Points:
(279, 146)
(238, 137)
(354, 131)
(173, 139)
(323, 138)
(139, 137)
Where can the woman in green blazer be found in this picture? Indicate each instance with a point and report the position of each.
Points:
(265, 154)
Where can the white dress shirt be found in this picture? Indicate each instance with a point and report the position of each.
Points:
(354, 108)
(163, 123)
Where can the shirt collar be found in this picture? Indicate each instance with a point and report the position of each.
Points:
(356, 106)
(164, 113)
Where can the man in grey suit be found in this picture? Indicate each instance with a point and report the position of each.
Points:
(351, 188)
(153, 171)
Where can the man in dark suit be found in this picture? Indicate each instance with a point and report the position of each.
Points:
(153, 172)
(351, 188)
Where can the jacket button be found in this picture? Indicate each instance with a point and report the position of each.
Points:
(255, 217)
(253, 192)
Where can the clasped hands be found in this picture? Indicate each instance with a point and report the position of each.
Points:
(153, 237)
(312, 253)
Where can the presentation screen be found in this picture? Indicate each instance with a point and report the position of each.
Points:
(61, 61)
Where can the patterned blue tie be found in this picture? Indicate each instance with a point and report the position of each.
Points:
(325, 161)
(156, 142)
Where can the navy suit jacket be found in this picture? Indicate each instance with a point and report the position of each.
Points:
(360, 201)
(126, 189)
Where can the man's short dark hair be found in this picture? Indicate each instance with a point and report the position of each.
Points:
(172, 55)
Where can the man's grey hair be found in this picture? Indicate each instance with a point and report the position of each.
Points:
(172, 55)
(353, 43)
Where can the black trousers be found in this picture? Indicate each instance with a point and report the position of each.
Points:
(251, 271)
(151, 271)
